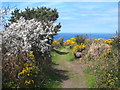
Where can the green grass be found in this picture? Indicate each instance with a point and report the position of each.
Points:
(53, 84)
(70, 56)
(88, 70)
(66, 51)
(56, 54)
(91, 79)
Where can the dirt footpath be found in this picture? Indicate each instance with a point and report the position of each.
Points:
(75, 73)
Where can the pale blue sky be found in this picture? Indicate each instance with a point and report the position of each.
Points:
(80, 17)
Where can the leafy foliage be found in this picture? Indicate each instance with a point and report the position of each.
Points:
(80, 39)
(40, 13)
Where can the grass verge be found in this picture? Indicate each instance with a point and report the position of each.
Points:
(91, 79)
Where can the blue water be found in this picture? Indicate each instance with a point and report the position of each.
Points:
(67, 36)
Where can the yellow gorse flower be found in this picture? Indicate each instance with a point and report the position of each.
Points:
(97, 39)
(73, 39)
(25, 59)
(25, 70)
(28, 74)
(28, 82)
(20, 73)
(108, 51)
(109, 41)
(55, 41)
(31, 55)
(82, 46)
(26, 64)
(72, 43)
(69, 42)
(77, 47)
(32, 81)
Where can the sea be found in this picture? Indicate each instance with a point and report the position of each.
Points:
(67, 36)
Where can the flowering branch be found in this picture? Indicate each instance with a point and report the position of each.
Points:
(26, 34)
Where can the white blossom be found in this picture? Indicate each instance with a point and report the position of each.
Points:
(28, 33)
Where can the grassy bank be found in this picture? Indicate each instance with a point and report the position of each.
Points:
(91, 79)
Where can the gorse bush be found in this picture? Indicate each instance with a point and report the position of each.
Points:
(70, 42)
(80, 39)
(107, 77)
(109, 41)
(79, 47)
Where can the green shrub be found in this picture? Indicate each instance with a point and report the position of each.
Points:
(116, 43)
(107, 77)
(80, 39)
(60, 40)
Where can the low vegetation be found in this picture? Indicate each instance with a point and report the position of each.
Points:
(102, 59)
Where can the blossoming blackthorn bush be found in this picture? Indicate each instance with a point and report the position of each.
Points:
(27, 34)
(24, 36)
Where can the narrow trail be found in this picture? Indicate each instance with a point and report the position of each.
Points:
(75, 72)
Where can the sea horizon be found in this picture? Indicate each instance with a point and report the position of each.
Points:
(67, 36)
(89, 32)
